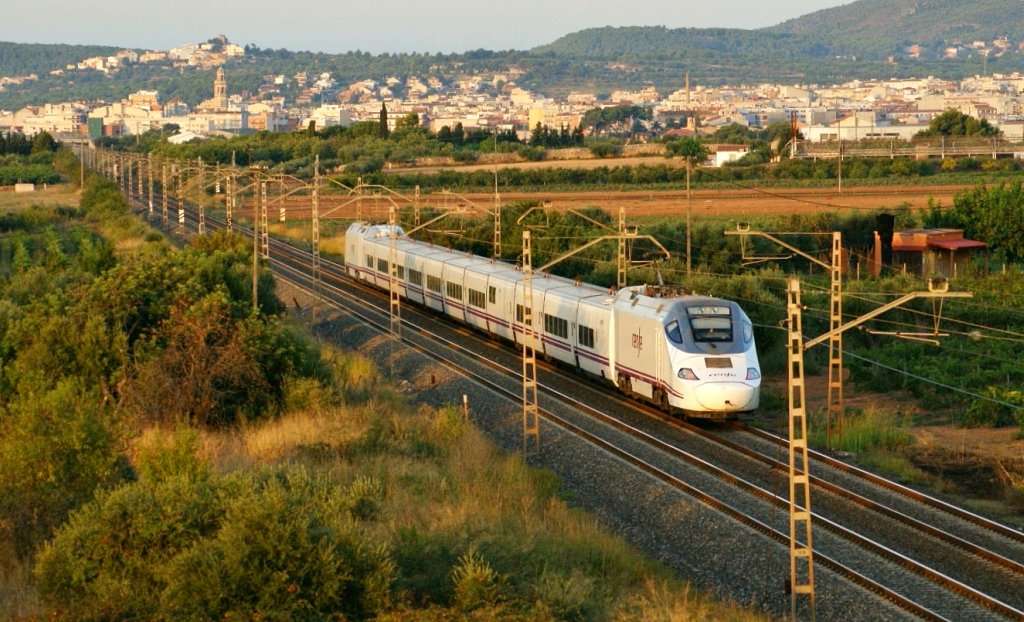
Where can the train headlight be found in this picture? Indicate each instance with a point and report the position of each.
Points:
(752, 373)
(687, 374)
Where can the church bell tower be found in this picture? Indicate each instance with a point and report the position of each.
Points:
(220, 90)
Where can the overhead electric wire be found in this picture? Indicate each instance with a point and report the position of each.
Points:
(936, 383)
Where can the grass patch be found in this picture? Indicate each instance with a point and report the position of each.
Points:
(868, 430)
(51, 196)
(18, 597)
(300, 233)
(899, 467)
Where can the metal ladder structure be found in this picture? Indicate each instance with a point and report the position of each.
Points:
(836, 411)
(531, 407)
(801, 554)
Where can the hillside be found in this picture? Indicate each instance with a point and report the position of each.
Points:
(885, 26)
(19, 59)
(871, 29)
(862, 40)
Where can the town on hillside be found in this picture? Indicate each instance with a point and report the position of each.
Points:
(895, 109)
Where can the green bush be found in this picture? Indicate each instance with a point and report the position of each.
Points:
(56, 447)
(530, 154)
(476, 583)
(102, 198)
(567, 597)
(1000, 408)
(274, 544)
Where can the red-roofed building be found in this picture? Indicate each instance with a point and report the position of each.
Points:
(929, 252)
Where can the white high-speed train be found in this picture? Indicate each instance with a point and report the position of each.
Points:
(687, 354)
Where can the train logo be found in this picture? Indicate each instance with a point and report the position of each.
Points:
(638, 342)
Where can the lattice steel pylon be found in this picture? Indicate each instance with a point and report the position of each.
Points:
(263, 224)
(395, 308)
(497, 223)
(202, 198)
(531, 406)
(163, 192)
(126, 175)
(836, 408)
(620, 277)
(152, 183)
(316, 233)
(801, 554)
(181, 203)
(229, 198)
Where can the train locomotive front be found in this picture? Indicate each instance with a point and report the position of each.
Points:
(693, 354)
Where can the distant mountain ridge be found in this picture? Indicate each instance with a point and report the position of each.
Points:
(871, 29)
(916, 21)
(866, 39)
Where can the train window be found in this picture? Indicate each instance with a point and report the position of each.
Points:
(433, 283)
(401, 272)
(586, 336)
(369, 261)
(713, 329)
(492, 294)
(519, 315)
(710, 323)
(416, 277)
(382, 265)
(674, 334)
(556, 326)
(477, 299)
(454, 290)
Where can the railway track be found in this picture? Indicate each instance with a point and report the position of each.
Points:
(929, 558)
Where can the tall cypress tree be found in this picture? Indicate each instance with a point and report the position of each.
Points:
(383, 120)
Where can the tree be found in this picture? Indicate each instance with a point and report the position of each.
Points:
(44, 143)
(384, 120)
(955, 123)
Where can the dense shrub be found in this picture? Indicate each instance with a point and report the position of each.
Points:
(56, 447)
(1002, 407)
(29, 174)
(274, 544)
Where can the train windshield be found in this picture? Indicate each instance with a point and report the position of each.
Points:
(710, 323)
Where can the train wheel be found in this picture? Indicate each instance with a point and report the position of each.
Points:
(661, 398)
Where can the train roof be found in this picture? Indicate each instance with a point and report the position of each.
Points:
(656, 298)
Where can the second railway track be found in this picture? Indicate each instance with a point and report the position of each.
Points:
(929, 558)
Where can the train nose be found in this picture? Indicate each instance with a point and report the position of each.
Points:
(727, 396)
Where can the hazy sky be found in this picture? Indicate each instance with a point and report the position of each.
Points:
(370, 25)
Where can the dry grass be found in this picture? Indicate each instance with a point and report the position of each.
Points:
(18, 598)
(52, 196)
(300, 232)
(444, 480)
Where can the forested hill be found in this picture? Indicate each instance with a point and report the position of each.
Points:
(22, 59)
(884, 26)
(632, 43)
(870, 29)
(866, 39)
